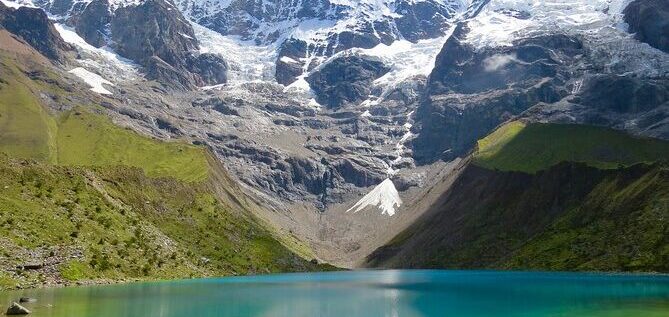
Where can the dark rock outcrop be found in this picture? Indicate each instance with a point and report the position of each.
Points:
(649, 19)
(422, 19)
(211, 68)
(153, 28)
(470, 92)
(346, 80)
(157, 36)
(33, 26)
(92, 22)
(623, 94)
(16, 309)
(290, 63)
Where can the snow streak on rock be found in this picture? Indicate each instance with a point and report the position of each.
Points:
(93, 80)
(384, 196)
(248, 62)
(102, 60)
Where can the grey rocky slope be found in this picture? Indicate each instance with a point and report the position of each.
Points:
(649, 19)
(311, 124)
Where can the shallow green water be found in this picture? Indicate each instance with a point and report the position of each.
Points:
(368, 294)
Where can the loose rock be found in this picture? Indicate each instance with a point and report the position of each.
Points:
(16, 309)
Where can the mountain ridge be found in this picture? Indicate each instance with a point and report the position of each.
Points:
(311, 119)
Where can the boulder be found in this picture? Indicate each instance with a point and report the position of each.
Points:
(27, 300)
(16, 309)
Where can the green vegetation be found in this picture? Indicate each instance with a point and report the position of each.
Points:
(534, 147)
(620, 225)
(115, 223)
(86, 139)
(26, 129)
(94, 201)
(82, 138)
(570, 217)
(586, 198)
(7, 282)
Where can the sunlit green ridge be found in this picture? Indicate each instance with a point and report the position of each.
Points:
(517, 146)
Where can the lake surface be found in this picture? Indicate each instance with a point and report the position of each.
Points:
(366, 293)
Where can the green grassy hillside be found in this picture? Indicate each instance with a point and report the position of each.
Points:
(570, 217)
(86, 139)
(116, 223)
(80, 137)
(88, 200)
(26, 129)
(547, 197)
(620, 225)
(530, 148)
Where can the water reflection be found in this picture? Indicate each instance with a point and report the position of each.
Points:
(366, 293)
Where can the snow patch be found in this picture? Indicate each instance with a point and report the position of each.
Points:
(384, 196)
(288, 60)
(494, 26)
(247, 62)
(599, 23)
(102, 60)
(18, 3)
(93, 80)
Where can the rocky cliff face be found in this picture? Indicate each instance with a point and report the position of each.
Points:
(482, 79)
(93, 22)
(152, 33)
(474, 91)
(345, 80)
(155, 35)
(310, 30)
(34, 27)
(650, 21)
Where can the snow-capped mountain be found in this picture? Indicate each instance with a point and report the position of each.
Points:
(548, 56)
(321, 103)
(307, 32)
(331, 25)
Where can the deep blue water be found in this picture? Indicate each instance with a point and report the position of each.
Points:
(368, 294)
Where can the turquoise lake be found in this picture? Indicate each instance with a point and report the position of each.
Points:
(366, 293)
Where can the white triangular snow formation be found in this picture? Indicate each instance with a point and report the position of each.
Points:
(384, 196)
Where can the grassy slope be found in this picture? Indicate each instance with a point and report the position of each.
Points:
(520, 206)
(620, 225)
(80, 138)
(534, 147)
(102, 202)
(117, 223)
(26, 130)
(85, 139)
